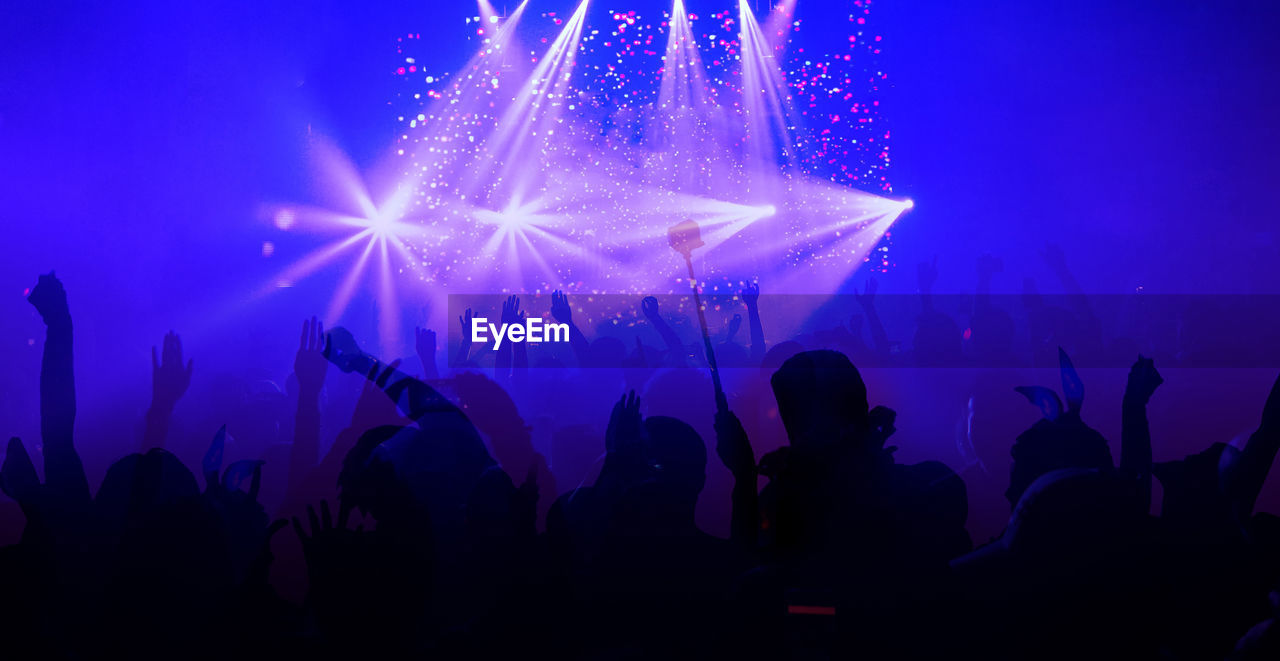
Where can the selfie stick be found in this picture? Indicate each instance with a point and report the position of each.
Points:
(684, 237)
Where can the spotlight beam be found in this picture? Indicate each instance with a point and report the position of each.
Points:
(778, 25)
(342, 297)
(535, 108)
(764, 97)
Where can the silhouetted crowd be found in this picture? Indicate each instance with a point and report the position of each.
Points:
(454, 514)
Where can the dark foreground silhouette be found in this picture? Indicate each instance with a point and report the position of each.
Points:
(459, 515)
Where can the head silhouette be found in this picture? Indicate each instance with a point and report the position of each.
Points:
(1051, 445)
(821, 399)
(677, 456)
(139, 485)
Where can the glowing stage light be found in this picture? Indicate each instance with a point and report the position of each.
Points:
(534, 113)
(487, 14)
(778, 24)
(765, 97)
(284, 219)
(543, 179)
(909, 203)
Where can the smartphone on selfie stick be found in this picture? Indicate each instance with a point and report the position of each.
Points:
(685, 237)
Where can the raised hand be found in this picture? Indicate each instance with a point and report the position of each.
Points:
(649, 306)
(560, 307)
(464, 342)
(331, 551)
(424, 341)
(626, 427)
(310, 364)
(465, 322)
(63, 470)
(169, 377)
(50, 299)
(750, 294)
(340, 348)
(1143, 381)
(511, 311)
(734, 325)
(323, 525)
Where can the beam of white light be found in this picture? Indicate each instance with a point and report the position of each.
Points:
(388, 308)
(342, 296)
(683, 81)
(453, 113)
(727, 230)
(488, 16)
(687, 145)
(823, 276)
(709, 213)
(509, 201)
(311, 263)
(337, 172)
(835, 229)
(778, 25)
(535, 109)
(766, 101)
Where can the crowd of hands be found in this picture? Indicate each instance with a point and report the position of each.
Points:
(432, 522)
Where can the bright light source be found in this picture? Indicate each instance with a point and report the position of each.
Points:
(284, 219)
(908, 204)
(382, 224)
(768, 210)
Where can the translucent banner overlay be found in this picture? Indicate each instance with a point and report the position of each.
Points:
(613, 330)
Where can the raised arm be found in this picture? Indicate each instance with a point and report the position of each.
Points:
(62, 468)
(464, 341)
(502, 361)
(735, 324)
(424, 341)
(624, 459)
(751, 297)
(169, 382)
(412, 396)
(521, 363)
(1259, 453)
(867, 299)
(675, 349)
(564, 314)
(734, 450)
(1135, 433)
(309, 366)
